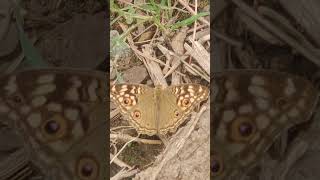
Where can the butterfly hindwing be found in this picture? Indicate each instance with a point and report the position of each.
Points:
(57, 109)
(180, 100)
(251, 109)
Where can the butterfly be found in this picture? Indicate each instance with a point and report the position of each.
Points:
(157, 110)
(251, 109)
(61, 113)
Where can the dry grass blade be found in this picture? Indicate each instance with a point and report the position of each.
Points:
(200, 54)
(115, 156)
(154, 69)
(119, 162)
(276, 30)
(124, 174)
(126, 138)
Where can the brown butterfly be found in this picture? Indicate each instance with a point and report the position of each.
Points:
(157, 110)
(62, 114)
(251, 109)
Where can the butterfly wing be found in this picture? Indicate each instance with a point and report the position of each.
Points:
(137, 103)
(57, 109)
(178, 102)
(251, 108)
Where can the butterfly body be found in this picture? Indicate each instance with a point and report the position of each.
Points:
(157, 110)
(252, 108)
(60, 112)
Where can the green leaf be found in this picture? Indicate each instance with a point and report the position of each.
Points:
(188, 21)
(33, 57)
(129, 19)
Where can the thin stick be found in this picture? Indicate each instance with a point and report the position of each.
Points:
(125, 137)
(123, 148)
(277, 31)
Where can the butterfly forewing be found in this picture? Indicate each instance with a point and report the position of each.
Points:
(179, 101)
(57, 109)
(137, 103)
(251, 109)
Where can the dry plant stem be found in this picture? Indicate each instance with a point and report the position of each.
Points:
(201, 26)
(114, 113)
(297, 150)
(166, 67)
(164, 139)
(204, 76)
(252, 26)
(166, 53)
(201, 55)
(199, 70)
(23, 173)
(113, 63)
(126, 138)
(142, 33)
(174, 66)
(178, 40)
(16, 61)
(154, 35)
(58, 4)
(306, 14)
(15, 163)
(227, 39)
(153, 68)
(284, 22)
(139, 54)
(179, 144)
(194, 123)
(119, 162)
(143, 56)
(121, 127)
(204, 39)
(122, 149)
(124, 174)
(202, 36)
(186, 79)
(146, 41)
(277, 31)
(219, 8)
(182, 59)
(195, 22)
(176, 78)
(113, 145)
(5, 23)
(177, 46)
